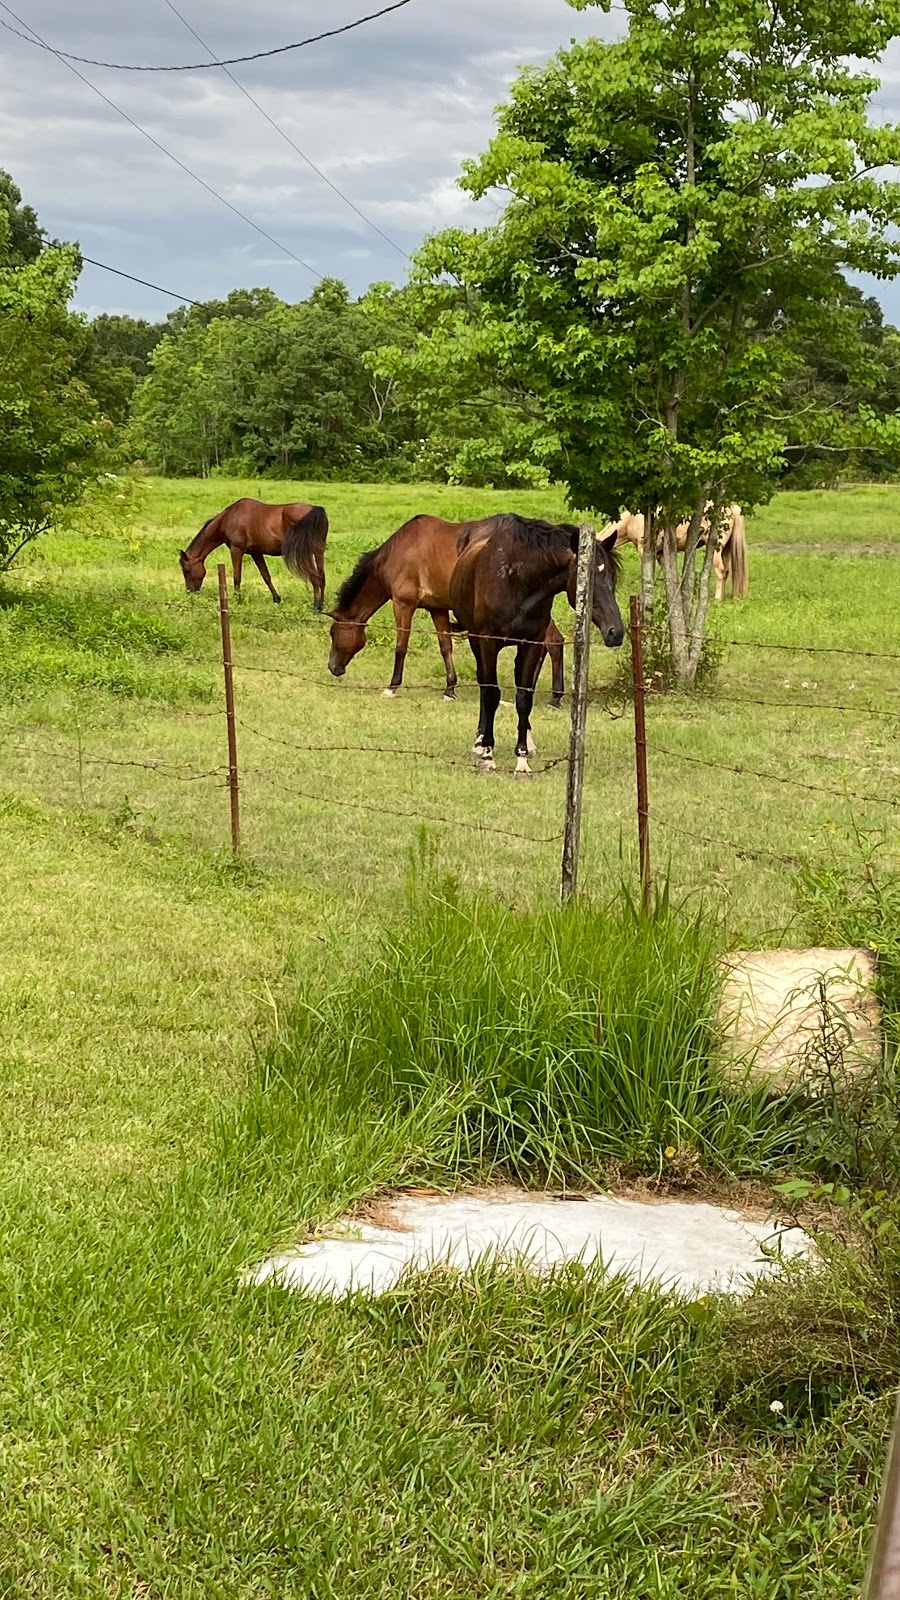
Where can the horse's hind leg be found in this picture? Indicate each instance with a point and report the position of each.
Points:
(260, 562)
(441, 620)
(529, 660)
(720, 567)
(403, 615)
(485, 653)
(556, 651)
(319, 585)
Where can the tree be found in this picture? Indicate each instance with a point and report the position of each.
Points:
(50, 440)
(684, 202)
(24, 237)
(116, 358)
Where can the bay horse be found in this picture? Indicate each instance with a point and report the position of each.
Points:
(502, 590)
(297, 532)
(729, 561)
(412, 569)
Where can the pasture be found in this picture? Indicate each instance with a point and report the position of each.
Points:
(165, 1436)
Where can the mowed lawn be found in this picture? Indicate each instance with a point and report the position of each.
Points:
(164, 1435)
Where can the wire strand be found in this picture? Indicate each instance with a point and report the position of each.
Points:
(184, 299)
(283, 134)
(264, 234)
(204, 66)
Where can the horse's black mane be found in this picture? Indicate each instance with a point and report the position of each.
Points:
(536, 534)
(351, 586)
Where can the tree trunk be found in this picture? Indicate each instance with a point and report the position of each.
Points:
(648, 563)
(678, 636)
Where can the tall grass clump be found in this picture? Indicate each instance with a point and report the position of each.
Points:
(551, 1043)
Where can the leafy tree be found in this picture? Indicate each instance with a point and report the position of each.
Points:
(24, 238)
(50, 441)
(684, 203)
(283, 388)
(116, 359)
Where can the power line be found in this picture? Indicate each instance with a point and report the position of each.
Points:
(191, 174)
(201, 66)
(184, 298)
(285, 135)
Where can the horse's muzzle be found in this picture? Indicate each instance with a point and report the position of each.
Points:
(336, 670)
(614, 635)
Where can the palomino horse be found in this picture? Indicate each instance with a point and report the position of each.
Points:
(412, 569)
(297, 532)
(729, 561)
(502, 591)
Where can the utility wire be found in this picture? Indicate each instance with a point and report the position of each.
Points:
(285, 135)
(201, 66)
(184, 298)
(191, 174)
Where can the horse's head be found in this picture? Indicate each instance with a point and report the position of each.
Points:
(347, 639)
(193, 571)
(607, 564)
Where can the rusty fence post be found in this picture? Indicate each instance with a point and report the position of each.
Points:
(883, 1579)
(639, 689)
(227, 665)
(584, 604)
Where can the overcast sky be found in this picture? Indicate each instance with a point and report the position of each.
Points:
(387, 112)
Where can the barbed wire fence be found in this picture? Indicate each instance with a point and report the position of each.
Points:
(653, 755)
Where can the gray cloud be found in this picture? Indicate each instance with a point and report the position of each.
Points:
(388, 113)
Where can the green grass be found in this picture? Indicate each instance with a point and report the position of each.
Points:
(549, 1045)
(167, 1116)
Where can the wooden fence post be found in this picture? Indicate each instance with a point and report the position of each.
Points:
(584, 603)
(883, 1579)
(227, 665)
(639, 689)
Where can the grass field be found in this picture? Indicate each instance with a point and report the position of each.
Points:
(162, 1435)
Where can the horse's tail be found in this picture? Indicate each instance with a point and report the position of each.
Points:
(737, 549)
(303, 548)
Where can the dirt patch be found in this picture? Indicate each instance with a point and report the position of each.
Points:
(788, 1008)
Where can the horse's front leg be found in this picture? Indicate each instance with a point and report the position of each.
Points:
(529, 660)
(237, 562)
(721, 572)
(403, 615)
(485, 653)
(557, 653)
(441, 620)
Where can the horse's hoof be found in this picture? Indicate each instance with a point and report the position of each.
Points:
(488, 764)
(449, 694)
(555, 705)
(389, 694)
(523, 770)
(277, 599)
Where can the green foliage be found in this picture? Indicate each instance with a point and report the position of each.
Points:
(115, 359)
(557, 1042)
(50, 443)
(263, 386)
(684, 203)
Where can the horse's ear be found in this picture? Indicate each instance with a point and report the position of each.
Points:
(611, 542)
(183, 554)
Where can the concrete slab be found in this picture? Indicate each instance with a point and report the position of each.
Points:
(694, 1248)
(772, 1008)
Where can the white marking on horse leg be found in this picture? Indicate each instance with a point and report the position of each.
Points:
(523, 770)
(389, 694)
(530, 745)
(478, 748)
(488, 764)
(449, 694)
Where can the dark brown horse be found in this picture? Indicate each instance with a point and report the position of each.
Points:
(412, 569)
(502, 591)
(297, 532)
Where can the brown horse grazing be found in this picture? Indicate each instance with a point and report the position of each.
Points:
(502, 590)
(297, 532)
(729, 561)
(412, 569)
